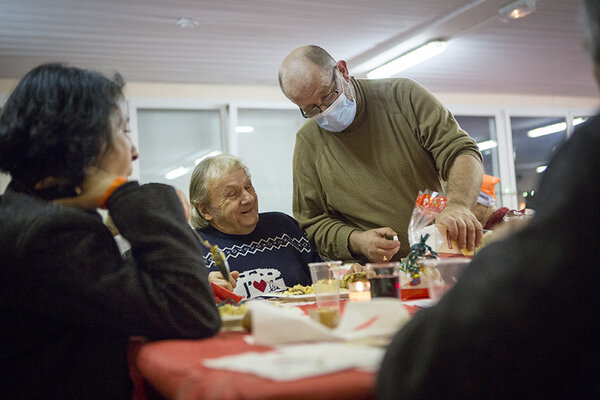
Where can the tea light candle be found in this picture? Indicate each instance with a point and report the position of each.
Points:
(359, 291)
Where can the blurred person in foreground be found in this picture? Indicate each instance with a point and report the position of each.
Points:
(68, 301)
(267, 252)
(522, 321)
(366, 150)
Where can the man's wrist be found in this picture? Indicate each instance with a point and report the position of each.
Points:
(353, 245)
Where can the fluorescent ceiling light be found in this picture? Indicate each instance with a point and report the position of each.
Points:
(176, 173)
(487, 145)
(547, 130)
(408, 60)
(211, 154)
(541, 169)
(187, 23)
(244, 129)
(517, 10)
(554, 128)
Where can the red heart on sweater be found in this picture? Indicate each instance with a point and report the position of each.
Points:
(260, 285)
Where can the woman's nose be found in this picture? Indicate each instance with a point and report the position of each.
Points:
(248, 197)
(134, 153)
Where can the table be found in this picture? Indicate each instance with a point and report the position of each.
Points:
(174, 369)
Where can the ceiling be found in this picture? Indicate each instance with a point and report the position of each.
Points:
(243, 42)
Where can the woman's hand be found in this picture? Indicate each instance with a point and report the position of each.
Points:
(218, 279)
(92, 190)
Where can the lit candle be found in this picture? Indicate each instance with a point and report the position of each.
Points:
(359, 291)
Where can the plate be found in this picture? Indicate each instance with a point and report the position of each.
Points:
(304, 297)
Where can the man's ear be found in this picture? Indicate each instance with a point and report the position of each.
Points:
(343, 70)
(204, 211)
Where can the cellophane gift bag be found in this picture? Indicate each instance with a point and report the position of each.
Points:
(420, 265)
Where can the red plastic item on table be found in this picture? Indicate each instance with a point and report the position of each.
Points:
(222, 294)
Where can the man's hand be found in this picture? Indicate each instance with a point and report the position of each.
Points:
(356, 268)
(218, 279)
(375, 244)
(462, 226)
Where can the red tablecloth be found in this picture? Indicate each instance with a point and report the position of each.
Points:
(174, 369)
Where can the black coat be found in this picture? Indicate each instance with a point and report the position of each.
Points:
(69, 301)
(523, 321)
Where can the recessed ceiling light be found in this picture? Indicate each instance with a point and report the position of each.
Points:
(517, 10)
(187, 23)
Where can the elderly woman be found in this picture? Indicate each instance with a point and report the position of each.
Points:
(69, 301)
(268, 250)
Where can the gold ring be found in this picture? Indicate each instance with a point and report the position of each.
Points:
(385, 258)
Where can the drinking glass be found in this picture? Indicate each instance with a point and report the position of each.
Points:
(384, 279)
(326, 286)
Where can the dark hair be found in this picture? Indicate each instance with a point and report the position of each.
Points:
(55, 122)
(592, 17)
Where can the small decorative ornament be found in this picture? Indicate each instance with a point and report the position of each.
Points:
(412, 263)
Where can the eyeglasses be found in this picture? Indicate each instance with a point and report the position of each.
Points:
(329, 99)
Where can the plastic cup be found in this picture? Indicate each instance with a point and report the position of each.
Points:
(384, 279)
(327, 291)
(450, 270)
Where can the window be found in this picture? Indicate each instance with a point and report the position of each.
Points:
(534, 142)
(483, 130)
(266, 144)
(172, 141)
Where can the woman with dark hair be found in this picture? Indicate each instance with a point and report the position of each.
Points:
(68, 301)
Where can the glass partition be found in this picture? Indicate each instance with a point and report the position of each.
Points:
(535, 139)
(483, 130)
(266, 140)
(171, 143)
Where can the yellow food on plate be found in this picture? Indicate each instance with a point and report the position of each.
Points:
(228, 310)
(298, 290)
(353, 277)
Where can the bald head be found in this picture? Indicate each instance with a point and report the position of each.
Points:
(301, 66)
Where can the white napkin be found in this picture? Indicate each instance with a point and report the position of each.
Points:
(300, 361)
(273, 325)
(378, 318)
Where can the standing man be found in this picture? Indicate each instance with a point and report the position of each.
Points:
(367, 149)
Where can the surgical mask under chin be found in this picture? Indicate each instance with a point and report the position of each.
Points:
(338, 116)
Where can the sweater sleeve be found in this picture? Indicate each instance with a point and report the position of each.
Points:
(437, 129)
(161, 291)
